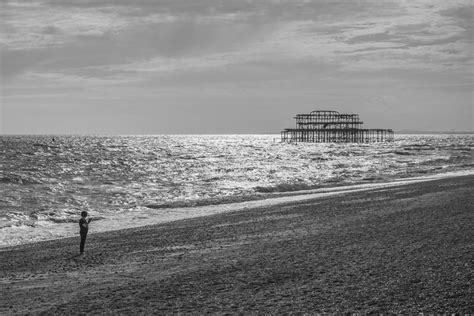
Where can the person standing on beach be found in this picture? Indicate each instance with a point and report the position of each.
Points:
(84, 226)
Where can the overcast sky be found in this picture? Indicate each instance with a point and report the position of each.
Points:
(232, 66)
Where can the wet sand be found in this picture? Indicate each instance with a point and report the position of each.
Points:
(401, 249)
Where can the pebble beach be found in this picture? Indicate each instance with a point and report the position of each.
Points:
(403, 249)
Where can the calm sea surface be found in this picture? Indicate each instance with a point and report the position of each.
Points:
(46, 181)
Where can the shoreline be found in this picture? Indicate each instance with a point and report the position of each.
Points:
(148, 215)
(399, 249)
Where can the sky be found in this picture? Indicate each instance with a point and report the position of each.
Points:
(233, 66)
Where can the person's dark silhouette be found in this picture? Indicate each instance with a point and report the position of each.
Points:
(84, 226)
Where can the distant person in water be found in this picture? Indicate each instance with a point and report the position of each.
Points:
(84, 225)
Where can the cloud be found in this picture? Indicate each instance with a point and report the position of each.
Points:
(56, 38)
(410, 38)
(33, 25)
(110, 41)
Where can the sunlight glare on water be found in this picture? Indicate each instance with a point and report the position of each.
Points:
(46, 183)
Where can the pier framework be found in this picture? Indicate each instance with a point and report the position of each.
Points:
(333, 127)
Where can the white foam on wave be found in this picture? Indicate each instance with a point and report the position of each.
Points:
(143, 216)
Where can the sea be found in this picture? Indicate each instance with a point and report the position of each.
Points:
(127, 181)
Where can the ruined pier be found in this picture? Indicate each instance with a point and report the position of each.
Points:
(333, 127)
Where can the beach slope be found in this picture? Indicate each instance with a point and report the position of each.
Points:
(399, 249)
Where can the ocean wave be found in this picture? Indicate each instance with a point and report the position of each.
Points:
(374, 178)
(13, 219)
(41, 218)
(45, 146)
(75, 219)
(435, 161)
(416, 147)
(200, 202)
(19, 179)
(286, 187)
(403, 152)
